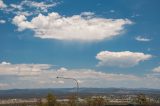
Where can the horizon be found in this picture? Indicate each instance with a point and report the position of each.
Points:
(104, 44)
(75, 87)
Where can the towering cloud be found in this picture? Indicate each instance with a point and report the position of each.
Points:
(83, 27)
(121, 59)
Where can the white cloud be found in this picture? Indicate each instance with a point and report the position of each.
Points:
(38, 5)
(2, 5)
(121, 59)
(24, 6)
(15, 6)
(25, 13)
(83, 27)
(22, 23)
(5, 63)
(142, 39)
(7, 68)
(87, 14)
(44, 76)
(157, 69)
(2, 21)
(84, 74)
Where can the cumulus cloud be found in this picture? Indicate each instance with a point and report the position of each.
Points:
(157, 69)
(142, 39)
(83, 27)
(2, 21)
(2, 4)
(44, 75)
(121, 59)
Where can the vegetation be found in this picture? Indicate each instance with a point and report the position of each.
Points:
(141, 100)
(51, 100)
(72, 100)
(96, 101)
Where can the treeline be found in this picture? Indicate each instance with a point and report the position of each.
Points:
(72, 100)
(51, 100)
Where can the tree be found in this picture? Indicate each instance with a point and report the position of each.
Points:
(72, 100)
(96, 101)
(51, 100)
(141, 99)
(89, 101)
(100, 101)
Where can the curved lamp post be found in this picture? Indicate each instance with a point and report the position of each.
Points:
(76, 84)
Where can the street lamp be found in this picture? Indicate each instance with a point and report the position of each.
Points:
(76, 84)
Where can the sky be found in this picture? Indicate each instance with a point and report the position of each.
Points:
(101, 43)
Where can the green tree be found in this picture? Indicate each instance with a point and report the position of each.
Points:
(96, 101)
(141, 99)
(100, 101)
(72, 100)
(89, 101)
(51, 100)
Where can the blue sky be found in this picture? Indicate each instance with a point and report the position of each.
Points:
(110, 42)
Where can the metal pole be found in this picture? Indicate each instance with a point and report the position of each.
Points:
(76, 84)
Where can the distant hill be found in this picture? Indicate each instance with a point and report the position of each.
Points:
(63, 92)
